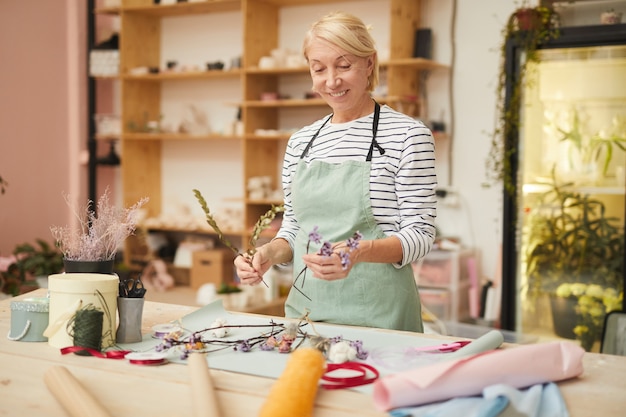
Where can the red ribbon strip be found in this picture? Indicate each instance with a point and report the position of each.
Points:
(111, 354)
(351, 381)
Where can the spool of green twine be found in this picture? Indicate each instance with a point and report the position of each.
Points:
(87, 331)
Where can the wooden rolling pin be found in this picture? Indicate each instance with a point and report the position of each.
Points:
(293, 394)
(205, 402)
(72, 395)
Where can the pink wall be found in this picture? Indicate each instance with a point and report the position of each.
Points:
(42, 115)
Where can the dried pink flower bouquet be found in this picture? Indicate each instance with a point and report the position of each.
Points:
(99, 233)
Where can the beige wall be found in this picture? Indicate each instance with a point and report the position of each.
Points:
(42, 115)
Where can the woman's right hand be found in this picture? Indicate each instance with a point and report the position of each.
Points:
(250, 270)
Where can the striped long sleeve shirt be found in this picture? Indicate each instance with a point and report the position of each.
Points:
(402, 181)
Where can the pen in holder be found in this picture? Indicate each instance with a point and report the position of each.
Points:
(130, 307)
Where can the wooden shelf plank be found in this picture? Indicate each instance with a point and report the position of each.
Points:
(264, 202)
(175, 136)
(276, 71)
(415, 63)
(285, 3)
(201, 231)
(107, 137)
(314, 102)
(186, 8)
(187, 75)
(286, 103)
(280, 136)
(107, 10)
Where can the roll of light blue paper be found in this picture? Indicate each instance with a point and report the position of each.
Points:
(489, 341)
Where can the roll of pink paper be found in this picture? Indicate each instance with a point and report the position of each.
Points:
(518, 367)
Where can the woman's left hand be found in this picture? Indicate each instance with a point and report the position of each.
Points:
(331, 267)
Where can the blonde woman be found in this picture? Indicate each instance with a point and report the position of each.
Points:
(366, 168)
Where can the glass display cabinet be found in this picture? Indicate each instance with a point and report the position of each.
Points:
(563, 235)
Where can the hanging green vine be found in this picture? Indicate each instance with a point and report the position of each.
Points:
(528, 28)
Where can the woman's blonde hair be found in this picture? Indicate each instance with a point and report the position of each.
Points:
(349, 33)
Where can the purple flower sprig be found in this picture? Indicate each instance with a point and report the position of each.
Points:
(327, 249)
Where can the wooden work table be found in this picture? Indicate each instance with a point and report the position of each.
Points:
(132, 390)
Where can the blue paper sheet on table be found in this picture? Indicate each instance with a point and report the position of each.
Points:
(272, 363)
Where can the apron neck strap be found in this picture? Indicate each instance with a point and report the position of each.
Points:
(374, 132)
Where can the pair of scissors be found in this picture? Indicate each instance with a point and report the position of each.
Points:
(444, 348)
(132, 288)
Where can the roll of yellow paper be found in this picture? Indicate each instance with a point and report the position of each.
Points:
(204, 398)
(293, 393)
(72, 395)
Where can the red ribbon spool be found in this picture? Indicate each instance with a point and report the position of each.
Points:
(361, 378)
(146, 358)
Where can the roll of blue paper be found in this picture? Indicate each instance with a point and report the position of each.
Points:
(489, 341)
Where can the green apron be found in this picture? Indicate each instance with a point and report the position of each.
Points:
(336, 199)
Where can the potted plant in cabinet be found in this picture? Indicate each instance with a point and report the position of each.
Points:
(569, 239)
(588, 153)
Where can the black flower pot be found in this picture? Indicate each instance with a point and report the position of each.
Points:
(96, 267)
(564, 316)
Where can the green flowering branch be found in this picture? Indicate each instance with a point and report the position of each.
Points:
(211, 221)
(263, 223)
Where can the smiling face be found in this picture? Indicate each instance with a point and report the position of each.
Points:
(341, 79)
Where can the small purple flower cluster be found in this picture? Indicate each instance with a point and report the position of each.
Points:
(327, 248)
(244, 346)
(361, 353)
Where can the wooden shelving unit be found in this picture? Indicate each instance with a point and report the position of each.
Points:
(140, 39)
